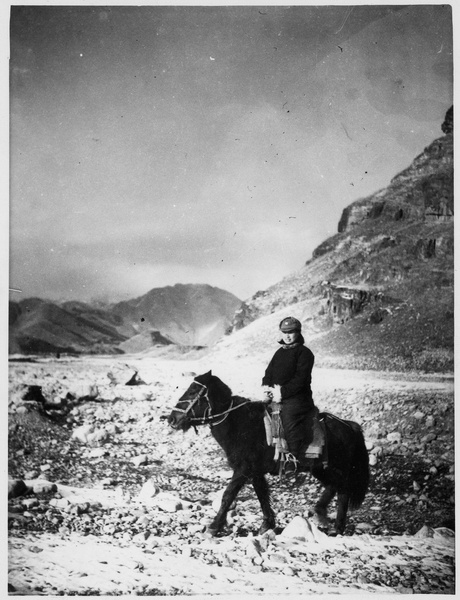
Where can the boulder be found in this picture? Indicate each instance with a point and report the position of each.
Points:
(33, 393)
(303, 530)
(17, 487)
(135, 380)
(424, 532)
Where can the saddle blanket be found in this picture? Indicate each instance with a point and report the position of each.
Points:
(275, 436)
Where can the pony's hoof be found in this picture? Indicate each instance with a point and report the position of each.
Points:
(320, 520)
(265, 527)
(211, 531)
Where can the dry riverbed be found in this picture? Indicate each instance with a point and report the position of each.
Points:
(116, 503)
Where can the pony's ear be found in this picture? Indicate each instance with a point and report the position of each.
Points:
(205, 378)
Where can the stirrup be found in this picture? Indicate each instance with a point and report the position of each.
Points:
(289, 460)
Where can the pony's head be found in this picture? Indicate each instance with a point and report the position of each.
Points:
(194, 406)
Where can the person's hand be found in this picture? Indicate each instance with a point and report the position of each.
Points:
(276, 393)
(267, 394)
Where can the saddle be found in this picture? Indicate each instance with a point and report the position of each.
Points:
(275, 437)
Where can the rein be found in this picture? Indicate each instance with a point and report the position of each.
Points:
(208, 419)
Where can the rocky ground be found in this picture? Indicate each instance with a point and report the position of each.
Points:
(107, 499)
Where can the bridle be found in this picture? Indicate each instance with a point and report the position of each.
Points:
(208, 418)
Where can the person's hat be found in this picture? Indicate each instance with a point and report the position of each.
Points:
(290, 324)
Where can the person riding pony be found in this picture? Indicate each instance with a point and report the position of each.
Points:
(287, 380)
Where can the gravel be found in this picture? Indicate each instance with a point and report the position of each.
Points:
(139, 489)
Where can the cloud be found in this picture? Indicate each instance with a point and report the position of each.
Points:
(145, 156)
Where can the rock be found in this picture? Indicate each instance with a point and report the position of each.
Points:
(112, 428)
(443, 534)
(364, 527)
(41, 486)
(151, 495)
(424, 532)
(142, 459)
(17, 487)
(140, 393)
(81, 433)
(276, 560)
(267, 537)
(135, 380)
(45, 467)
(253, 549)
(393, 437)
(167, 502)
(194, 529)
(31, 474)
(419, 415)
(141, 537)
(100, 414)
(429, 437)
(61, 503)
(373, 460)
(87, 434)
(30, 502)
(88, 392)
(97, 437)
(34, 393)
(303, 529)
(108, 481)
(97, 452)
(148, 491)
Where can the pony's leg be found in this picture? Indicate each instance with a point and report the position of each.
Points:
(322, 504)
(342, 509)
(263, 494)
(231, 492)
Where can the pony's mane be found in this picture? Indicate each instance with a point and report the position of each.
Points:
(223, 392)
(221, 387)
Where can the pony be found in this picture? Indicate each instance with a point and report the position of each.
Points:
(237, 424)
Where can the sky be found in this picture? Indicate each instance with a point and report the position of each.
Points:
(155, 145)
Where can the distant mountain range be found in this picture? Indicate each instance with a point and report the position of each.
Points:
(380, 293)
(190, 315)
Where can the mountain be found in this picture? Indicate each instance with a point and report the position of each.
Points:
(379, 293)
(191, 315)
(194, 315)
(40, 326)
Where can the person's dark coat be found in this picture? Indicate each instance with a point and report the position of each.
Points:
(291, 368)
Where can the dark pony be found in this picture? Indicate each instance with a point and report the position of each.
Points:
(237, 424)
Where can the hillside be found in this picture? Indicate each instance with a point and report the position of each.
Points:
(190, 315)
(195, 315)
(38, 326)
(380, 293)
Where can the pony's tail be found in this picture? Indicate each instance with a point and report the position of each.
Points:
(359, 474)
